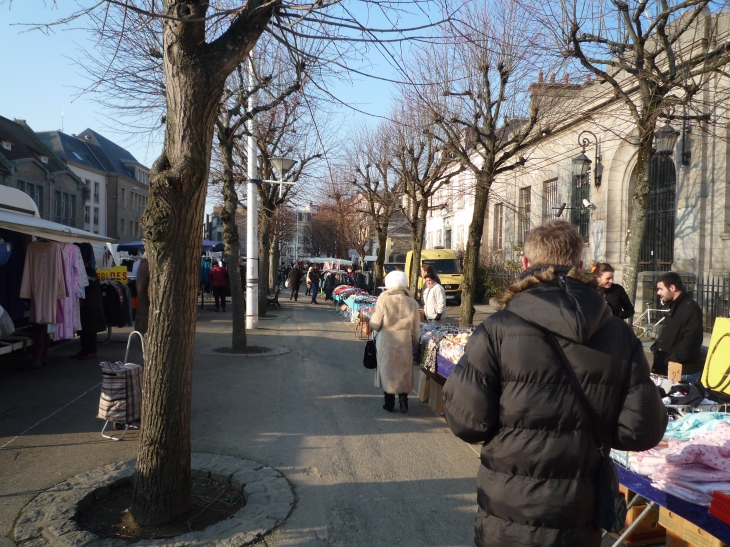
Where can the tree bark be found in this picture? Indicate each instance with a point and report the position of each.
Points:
(637, 227)
(273, 263)
(473, 248)
(264, 248)
(195, 72)
(232, 246)
(162, 487)
(419, 223)
(379, 271)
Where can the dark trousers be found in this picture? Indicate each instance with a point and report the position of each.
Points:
(88, 341)
(294, 291)
(219, 294)
(41, 341)
(315, 290)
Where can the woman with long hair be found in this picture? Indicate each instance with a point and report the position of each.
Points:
(615, 295)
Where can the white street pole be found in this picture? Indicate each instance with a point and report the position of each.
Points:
(296, 247)
(252, 218)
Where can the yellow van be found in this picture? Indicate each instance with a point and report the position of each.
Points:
(446, 265)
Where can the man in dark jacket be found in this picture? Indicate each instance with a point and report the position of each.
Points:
(681, 338)
(538, 480)
(295, 280)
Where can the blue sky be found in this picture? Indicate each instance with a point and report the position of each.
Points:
(40, 80)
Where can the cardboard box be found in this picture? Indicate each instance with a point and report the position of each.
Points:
(682, 533)
(628, 494)
(647, 532)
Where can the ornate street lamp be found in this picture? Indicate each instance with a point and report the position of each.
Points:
(582, 163)
(664, 139)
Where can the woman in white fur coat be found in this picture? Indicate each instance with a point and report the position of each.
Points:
(397, 321)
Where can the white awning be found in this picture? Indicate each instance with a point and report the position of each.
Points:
(54, 231)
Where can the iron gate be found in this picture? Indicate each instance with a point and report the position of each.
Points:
(657, 250)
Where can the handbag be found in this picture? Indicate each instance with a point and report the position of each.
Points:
(610, 503)
(286, 283)
(370, 359)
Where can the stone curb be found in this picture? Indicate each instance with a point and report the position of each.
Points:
(49, 520)
(272, 352)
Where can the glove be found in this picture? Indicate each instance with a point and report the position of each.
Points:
(438, 317)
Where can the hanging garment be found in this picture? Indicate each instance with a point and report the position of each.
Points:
(113, 309)
(76, 283)
(43, 280)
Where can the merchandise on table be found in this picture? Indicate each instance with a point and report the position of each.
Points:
(690, 469)
(445, 343)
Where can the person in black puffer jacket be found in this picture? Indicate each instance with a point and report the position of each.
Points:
(538, 479)
(615, 295)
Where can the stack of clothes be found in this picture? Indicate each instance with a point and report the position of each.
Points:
(694, 461)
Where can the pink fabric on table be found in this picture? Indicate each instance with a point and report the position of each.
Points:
(692, 472)
(681, 492)
(711, 448)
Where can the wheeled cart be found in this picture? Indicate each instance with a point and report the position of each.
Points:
(121, 392)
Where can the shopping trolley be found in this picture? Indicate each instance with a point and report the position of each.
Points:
(121, 392)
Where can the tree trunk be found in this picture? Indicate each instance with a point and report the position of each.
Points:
(273, 263)
(232, 249)
(420, 212)
(264, 247)
(637, 228)
(171, 222)
(378, 270)
(471, 256)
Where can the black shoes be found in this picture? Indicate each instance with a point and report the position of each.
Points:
(389, 402)
(403, 400)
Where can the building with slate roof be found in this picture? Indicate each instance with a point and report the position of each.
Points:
(118, 184)
(28, 164)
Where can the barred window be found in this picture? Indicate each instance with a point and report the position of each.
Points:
(524, 213)
(550, 200)
(498, 223)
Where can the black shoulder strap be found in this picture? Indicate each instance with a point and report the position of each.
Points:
(594, 422)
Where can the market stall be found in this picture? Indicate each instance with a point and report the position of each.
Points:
(684, 481)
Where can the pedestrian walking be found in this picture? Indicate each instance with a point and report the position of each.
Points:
(309, 281)
(218, 276)
(513, 392)
(434, 299)
(315, 275)
(680, 340)
(615, 295)
(397, 323)
(295, 280)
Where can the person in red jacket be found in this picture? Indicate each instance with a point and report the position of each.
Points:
(218, 276)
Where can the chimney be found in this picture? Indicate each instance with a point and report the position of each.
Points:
(566, 78)
(540, 78)
(552, 77)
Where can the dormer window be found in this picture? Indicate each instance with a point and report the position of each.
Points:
(7, 145)
(44, 159)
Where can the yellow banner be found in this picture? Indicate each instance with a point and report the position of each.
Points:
(117, 273)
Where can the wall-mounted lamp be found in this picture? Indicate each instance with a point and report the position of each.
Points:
(686, 143)
(581, 163)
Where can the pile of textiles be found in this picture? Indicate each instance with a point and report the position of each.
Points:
(695, 461)
(453, 343)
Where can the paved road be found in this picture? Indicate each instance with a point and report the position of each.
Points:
(362, 477)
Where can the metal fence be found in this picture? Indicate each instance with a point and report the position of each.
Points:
(712, 293)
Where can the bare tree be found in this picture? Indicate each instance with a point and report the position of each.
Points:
(654, 55)
(379, 188)
(422, 168)
(479, 70)
(230, 128)
(199, 46)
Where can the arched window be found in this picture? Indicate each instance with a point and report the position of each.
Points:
(657, 250)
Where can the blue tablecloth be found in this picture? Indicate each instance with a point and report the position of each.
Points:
(696, 514)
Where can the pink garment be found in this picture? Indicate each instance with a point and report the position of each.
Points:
(711, 448)
(76, 280)
(692, 496)
(43, 280)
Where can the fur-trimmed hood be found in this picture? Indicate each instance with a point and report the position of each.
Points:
(560, 299)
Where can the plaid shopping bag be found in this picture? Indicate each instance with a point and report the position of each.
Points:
(121, 392)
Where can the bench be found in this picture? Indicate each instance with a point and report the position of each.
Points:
(273, 298)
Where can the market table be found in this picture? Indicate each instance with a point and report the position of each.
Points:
(696, 514)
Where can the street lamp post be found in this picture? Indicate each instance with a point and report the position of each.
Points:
(252, 217)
